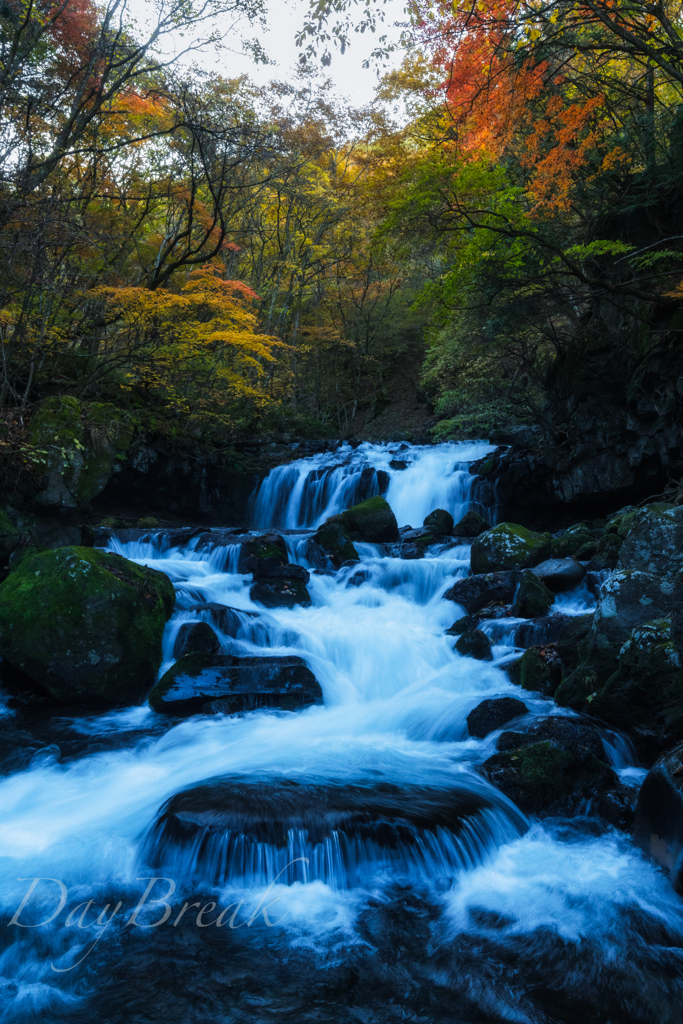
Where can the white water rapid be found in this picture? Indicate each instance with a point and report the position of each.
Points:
(500, 919)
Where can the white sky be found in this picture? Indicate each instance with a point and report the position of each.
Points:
(284, 19)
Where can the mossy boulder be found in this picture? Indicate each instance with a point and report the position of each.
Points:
(262, 552)
(476, 592)
(546, 775)
(493, 714)
(474, 644)
(606, 553)
(471, 525)
(281, 586)
(335, 544)
(509, 546)
(85, 624)
(654, 543)
(533, 598)
(575, 629)
(577, 538)
(538, 670)
(439, 523)
(659, 815)
(560, 574)
(644, 697)
(79, 445)
(373, 521)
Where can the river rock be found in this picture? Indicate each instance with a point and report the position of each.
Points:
(538, 632)
(538, 670)
(474, 644)
(262, 553)
(654, 543)
(335, 543)
(471, 525)
(509, 546)
(229, 620)
(280, 586)
(231, 684)
(439, 523)
(628, 599)
(560, 574)
(659, 815)
(493, 714)
(554, 768)
(677, 616)
(475, 592)
(372, 521)
(577, 538)
(463, 625)
(220, 828)
(533, 597)
(566, 731)
(196, 637)
(85, 624)
(606, 554)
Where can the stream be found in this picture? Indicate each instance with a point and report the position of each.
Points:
(369, 873)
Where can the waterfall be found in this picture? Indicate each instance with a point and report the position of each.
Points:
(414, 479)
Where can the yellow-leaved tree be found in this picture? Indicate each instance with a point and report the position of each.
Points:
(197, 349)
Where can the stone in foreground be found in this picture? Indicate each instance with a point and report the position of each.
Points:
(85, 624)
(509, 546)
(372, 521)
(474, 644)
(230, 684)
(475, 592)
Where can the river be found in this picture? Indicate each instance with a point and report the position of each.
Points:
(467, 911)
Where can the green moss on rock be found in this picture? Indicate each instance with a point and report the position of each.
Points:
(372, 521)
(85, 624)
(335, 543)
(509, 546)
(533, 598)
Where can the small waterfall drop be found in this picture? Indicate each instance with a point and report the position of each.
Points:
(414, 480)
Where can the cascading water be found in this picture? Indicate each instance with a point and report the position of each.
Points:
(355, 865)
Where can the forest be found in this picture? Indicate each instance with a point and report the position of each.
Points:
(219, 259)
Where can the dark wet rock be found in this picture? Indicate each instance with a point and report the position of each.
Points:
(509, 546)
(577, 538)
(677, 616)
(493, 714)
(85, 624)
(471, 525)
(398, 464)
(357, 579)
(539, 632)
(558, 767)
(262, 553)
(644, 697)
(439, 522)
(658, 828)
(616, 806)
(568, 732)
(463, 625)
(413, 543)
(560, 574)
(475, 592)
(335, 543)
(474, 644)
(496, 611)
(232, 817)
(533, 598)
(228, 620)
(654, 543)
(606, 554)
(574, 630)
(281, 586)
(240, 684)
(196, 637)
(628, 599)
(538, 670)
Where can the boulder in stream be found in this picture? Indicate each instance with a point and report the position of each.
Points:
(474, 644)
(334, 543)
(228, 684)
(439, 523)
(538, 670)
(509, 546)
(554, 767)
(85, 624)
(533, 598)
(281, 586)
(654, 543)
(560, 574)
(493, 714)
(372, 521)
(197, 638)
(476, 592)
(471, 525)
